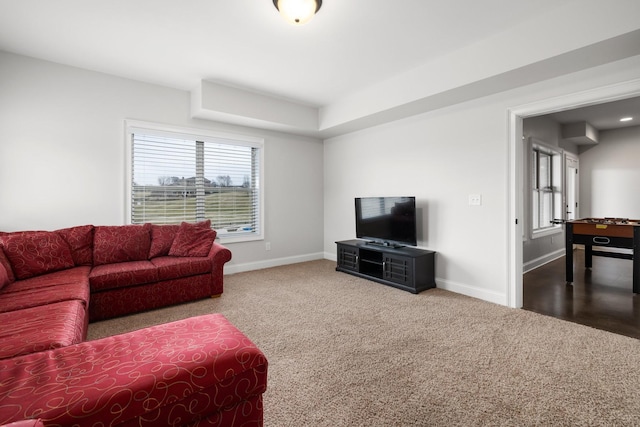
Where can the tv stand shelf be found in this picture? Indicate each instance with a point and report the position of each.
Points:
(407, 268)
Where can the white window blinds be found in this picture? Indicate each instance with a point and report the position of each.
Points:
(546, 188)
(175, 179)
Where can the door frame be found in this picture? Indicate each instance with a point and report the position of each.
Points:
(515, 149)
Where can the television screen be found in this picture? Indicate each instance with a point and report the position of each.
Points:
(389, 221)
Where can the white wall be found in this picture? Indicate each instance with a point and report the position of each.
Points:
(441, 157)
(62, 164)
(62, 156)
(610, 174)
(439, 161)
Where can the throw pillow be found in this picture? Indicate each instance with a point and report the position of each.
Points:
(161, 239)
(193, 239)
(36, 253)
(4, 262)
(80, 241)
(4, 277)
(121, 243)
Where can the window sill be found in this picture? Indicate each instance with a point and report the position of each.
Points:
(547, 232)
(223, 240)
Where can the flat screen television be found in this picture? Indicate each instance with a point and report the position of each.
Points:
(388, 221)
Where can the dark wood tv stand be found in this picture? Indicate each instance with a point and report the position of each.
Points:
(407, 268)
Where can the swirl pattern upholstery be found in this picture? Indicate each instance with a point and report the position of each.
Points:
(27, 258)
(200, 371)
(128, 264)
(120, 243)
(24, 331)
(80, 241)
(25, 423)
(37, 297)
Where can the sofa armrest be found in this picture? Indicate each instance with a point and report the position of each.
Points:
(219, 255)
(198, 368)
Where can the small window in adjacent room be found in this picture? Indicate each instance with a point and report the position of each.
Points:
(546, 189)
(182, 175)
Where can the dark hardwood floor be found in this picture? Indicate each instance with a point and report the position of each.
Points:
(599, 297)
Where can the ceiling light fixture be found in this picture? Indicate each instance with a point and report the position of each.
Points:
(626, 119)
(297, 12)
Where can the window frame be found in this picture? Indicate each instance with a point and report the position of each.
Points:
(135, 126)
(557, 186)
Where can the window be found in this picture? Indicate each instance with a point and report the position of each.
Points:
(194, 176)
(546, 188)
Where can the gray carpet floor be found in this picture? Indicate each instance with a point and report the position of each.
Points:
(345, 351)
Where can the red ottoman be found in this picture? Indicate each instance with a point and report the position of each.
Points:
(198, 371)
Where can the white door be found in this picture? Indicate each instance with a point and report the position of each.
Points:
(571, 188)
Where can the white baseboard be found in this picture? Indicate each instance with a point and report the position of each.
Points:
(331, 257)
(276, 262)
(540, 261)
(472, 291)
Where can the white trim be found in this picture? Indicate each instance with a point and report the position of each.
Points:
(540, 261)
(567, 102)
(182, 131)
(459, 288)
(557, 154)
(472, 291)
(545, 232)
(160, 129)
(515, 195)
(330, 256)
(576, 209)
(231, 268)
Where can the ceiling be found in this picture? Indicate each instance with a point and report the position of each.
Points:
(604, 116)
(347, 47)
(351, 45)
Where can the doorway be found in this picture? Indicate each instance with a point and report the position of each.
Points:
(516, 167)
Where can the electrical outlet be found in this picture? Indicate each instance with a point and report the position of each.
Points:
(475, 199)
(267, 246)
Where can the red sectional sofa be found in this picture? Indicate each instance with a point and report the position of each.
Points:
(52, 283)
(126, 269)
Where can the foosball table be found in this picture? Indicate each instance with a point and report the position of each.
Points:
(604, 232)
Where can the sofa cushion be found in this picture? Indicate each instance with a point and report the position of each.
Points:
(170, 267)
(35, 253)
(4, 276)
(4, 261)
(80, 241)
(161, 239)
(193, 239)
(122, 274)
(78, 275)
(34, 297)
(136, 299)
(42, 328)
(121, 243)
